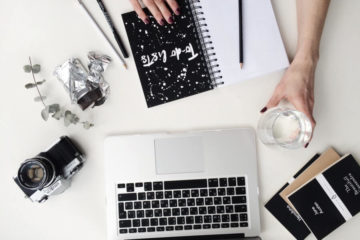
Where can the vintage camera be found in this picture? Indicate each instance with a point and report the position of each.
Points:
(50, 172)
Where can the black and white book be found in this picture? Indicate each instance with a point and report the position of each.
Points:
(200, 51)
(331, 198)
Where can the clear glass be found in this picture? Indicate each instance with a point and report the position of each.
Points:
(284, 127)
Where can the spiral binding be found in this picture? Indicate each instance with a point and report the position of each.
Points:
(206, 43)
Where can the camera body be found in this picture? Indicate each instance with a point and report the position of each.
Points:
(50, 172)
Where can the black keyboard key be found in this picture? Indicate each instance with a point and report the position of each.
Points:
(196, 227)
(234, 217)
(128, 205)
(127, 197)
(176, 211)
(184, 211)
(130, 187)
(221, 191)
(239, 199)
(240, 191)
(191, 202)
(125, 223)
(122, 213)
(232, 182)
(141, 230)
(186, 193)
(244, 224)
(202, 210)
(121, 185)
(124, 230)
(167, 212)
(131, 214)
(188, 227)
(198, 219)
(220, 209)
(137, 205)
(172, 221)
(229, 208)
(216, 218)
(209, 201)
(212, 192)
(234, 225)
(223, 182)
(168, 194)
(217, 201)
(182, 203)
(150, 195)
(178, 228)
(139, 184)
(154, 222)
(240, 208)
(199, 202)
(155, 204)
(190, 220)
(241, 181)
(225, 225)
(193, 211)
(243, 217)
(194, 193)
(160, 229)
(180, 220)
(206, 226)
(214, 182)
(164, 203)
(173, 203)
(169, 228)
(215, 226)
(230, 191)
(204, 193)
(132, 230)
(146, 204)
(207, 219)
(150, 229)
(136, 223)
(225, 218)
(149, 213)
(226, 200)
(177, 194)
(157, 186)
(159, 195)
(158, 213)
(141, 196)
(163, 221)
(211, 210)
(148, 186)
(185, 184)
(140, 213)
(145, 222)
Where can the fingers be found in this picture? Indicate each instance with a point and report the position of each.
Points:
(150, 4)
(139, 11)
(274, 100)
(164, 11)
(174, 6)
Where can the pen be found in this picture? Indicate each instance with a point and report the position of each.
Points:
(241, 34)
(101, 31)
(115, 32)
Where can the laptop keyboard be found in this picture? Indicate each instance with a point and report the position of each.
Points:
(199, 204)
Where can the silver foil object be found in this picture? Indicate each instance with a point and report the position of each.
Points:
(97, 65)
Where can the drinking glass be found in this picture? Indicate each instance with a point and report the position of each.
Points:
(284, 127)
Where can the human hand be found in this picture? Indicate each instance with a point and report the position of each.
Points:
(297, 87)
(158, 8)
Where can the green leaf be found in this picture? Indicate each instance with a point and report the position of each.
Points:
(59, 114)
(67, 118)
(45, 113)
(30, 85)
(36, 68)
(38, 98)
(53, 108)
(87, 125)
(27, 68)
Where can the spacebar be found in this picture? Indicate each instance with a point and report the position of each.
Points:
(182, 184)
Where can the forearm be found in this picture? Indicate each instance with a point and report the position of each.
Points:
(311, 16)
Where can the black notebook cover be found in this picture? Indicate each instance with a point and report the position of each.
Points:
(330, 199)
(285, 214)
(170, 60)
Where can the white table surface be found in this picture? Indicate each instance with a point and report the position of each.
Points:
(53, 31)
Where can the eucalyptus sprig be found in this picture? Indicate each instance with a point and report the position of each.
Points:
(55, 110)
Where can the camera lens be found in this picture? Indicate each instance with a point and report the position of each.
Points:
(36, 173)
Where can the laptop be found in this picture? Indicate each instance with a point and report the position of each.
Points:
(193, 185)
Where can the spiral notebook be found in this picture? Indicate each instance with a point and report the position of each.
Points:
(200, 51)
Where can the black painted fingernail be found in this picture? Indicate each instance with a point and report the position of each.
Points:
(171, 20)
(147, 21)
(177, 11)
(263, 110)
(162, 22)
(306, 145)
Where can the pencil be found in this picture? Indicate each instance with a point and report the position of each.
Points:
(101, 31)
(241, 34)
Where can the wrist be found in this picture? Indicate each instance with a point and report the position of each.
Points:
(307, 56)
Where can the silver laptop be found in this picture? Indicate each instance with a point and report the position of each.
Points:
(193, 185)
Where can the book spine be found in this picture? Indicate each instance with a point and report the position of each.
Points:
(205, 42)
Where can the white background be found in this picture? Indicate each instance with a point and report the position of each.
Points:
(52, 31)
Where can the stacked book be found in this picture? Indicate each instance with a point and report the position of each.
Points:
(322, 196)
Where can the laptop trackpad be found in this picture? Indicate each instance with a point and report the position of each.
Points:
(179, 155)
